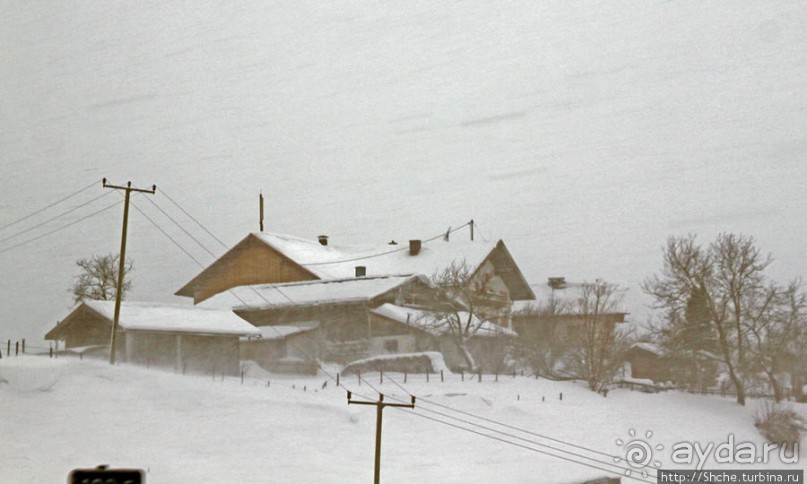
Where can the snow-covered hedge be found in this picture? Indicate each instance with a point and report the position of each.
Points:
(428, 361)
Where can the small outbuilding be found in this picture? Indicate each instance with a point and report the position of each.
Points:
(186, 339)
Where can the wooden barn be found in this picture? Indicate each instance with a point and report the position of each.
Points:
(186, 339)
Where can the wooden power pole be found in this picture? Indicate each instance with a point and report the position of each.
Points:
(379, 416)
(122, 259)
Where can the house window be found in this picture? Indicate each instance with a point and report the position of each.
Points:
(391, 346)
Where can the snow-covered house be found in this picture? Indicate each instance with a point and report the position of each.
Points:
(180, 337)
(272, 279)
(646, 361)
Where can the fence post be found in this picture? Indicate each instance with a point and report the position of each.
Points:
(497, 375)
(427, 376)
(380, 376)
(405, 376)
(51, 351)
(442, 378)
(242, 376)
(23, 346)
(16, 348)
(358, 374)
(8, 348)
(337, 379)
(479, 371)
(462, 374)
(561, 395)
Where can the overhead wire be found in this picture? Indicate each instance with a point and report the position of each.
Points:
(54, 217)
(523, 446)
(36, 212)
(25, 242)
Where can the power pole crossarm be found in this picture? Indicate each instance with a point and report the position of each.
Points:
(380, 404)
(122, 258)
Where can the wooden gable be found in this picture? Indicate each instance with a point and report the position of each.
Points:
(507, 269)
(251, 261)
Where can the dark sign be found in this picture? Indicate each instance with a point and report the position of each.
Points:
(106, 476)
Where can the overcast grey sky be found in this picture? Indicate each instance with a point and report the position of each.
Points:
(582, 135)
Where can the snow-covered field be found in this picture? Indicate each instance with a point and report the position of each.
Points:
(196, 429)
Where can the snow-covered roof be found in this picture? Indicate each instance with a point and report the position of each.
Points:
(317, 261)
(335, 262)
(423, 320)
(146, 316)
(283, 331)
(355, 289)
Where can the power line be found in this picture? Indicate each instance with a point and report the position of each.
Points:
(60, 228)
(47, 207)
(182, 229)
(54, 217)
(166, 234)
(568, 459)
(607, 463)
(194, 219)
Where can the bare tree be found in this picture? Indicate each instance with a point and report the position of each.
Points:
(729, 275)
(543, 336)
(465, 304)
(776, 327)
(598, 344)
(98, 279)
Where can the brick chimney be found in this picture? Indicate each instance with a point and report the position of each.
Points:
(414, 247)
(323, 239)
(361, 271)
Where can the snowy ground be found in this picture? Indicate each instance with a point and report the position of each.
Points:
(193, 429)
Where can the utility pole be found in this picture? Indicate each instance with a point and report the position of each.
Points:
(122, 258)
(471, 223)
(379, 416)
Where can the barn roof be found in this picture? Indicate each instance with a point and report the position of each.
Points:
(422, 320)
(145, 316)
(355, 289)
(339, 262)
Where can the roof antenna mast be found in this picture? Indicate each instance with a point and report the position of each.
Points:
(260, 200)
(471, 223)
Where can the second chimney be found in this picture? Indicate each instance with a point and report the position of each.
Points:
(414, 247)
(361, 271)
(323, 239)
